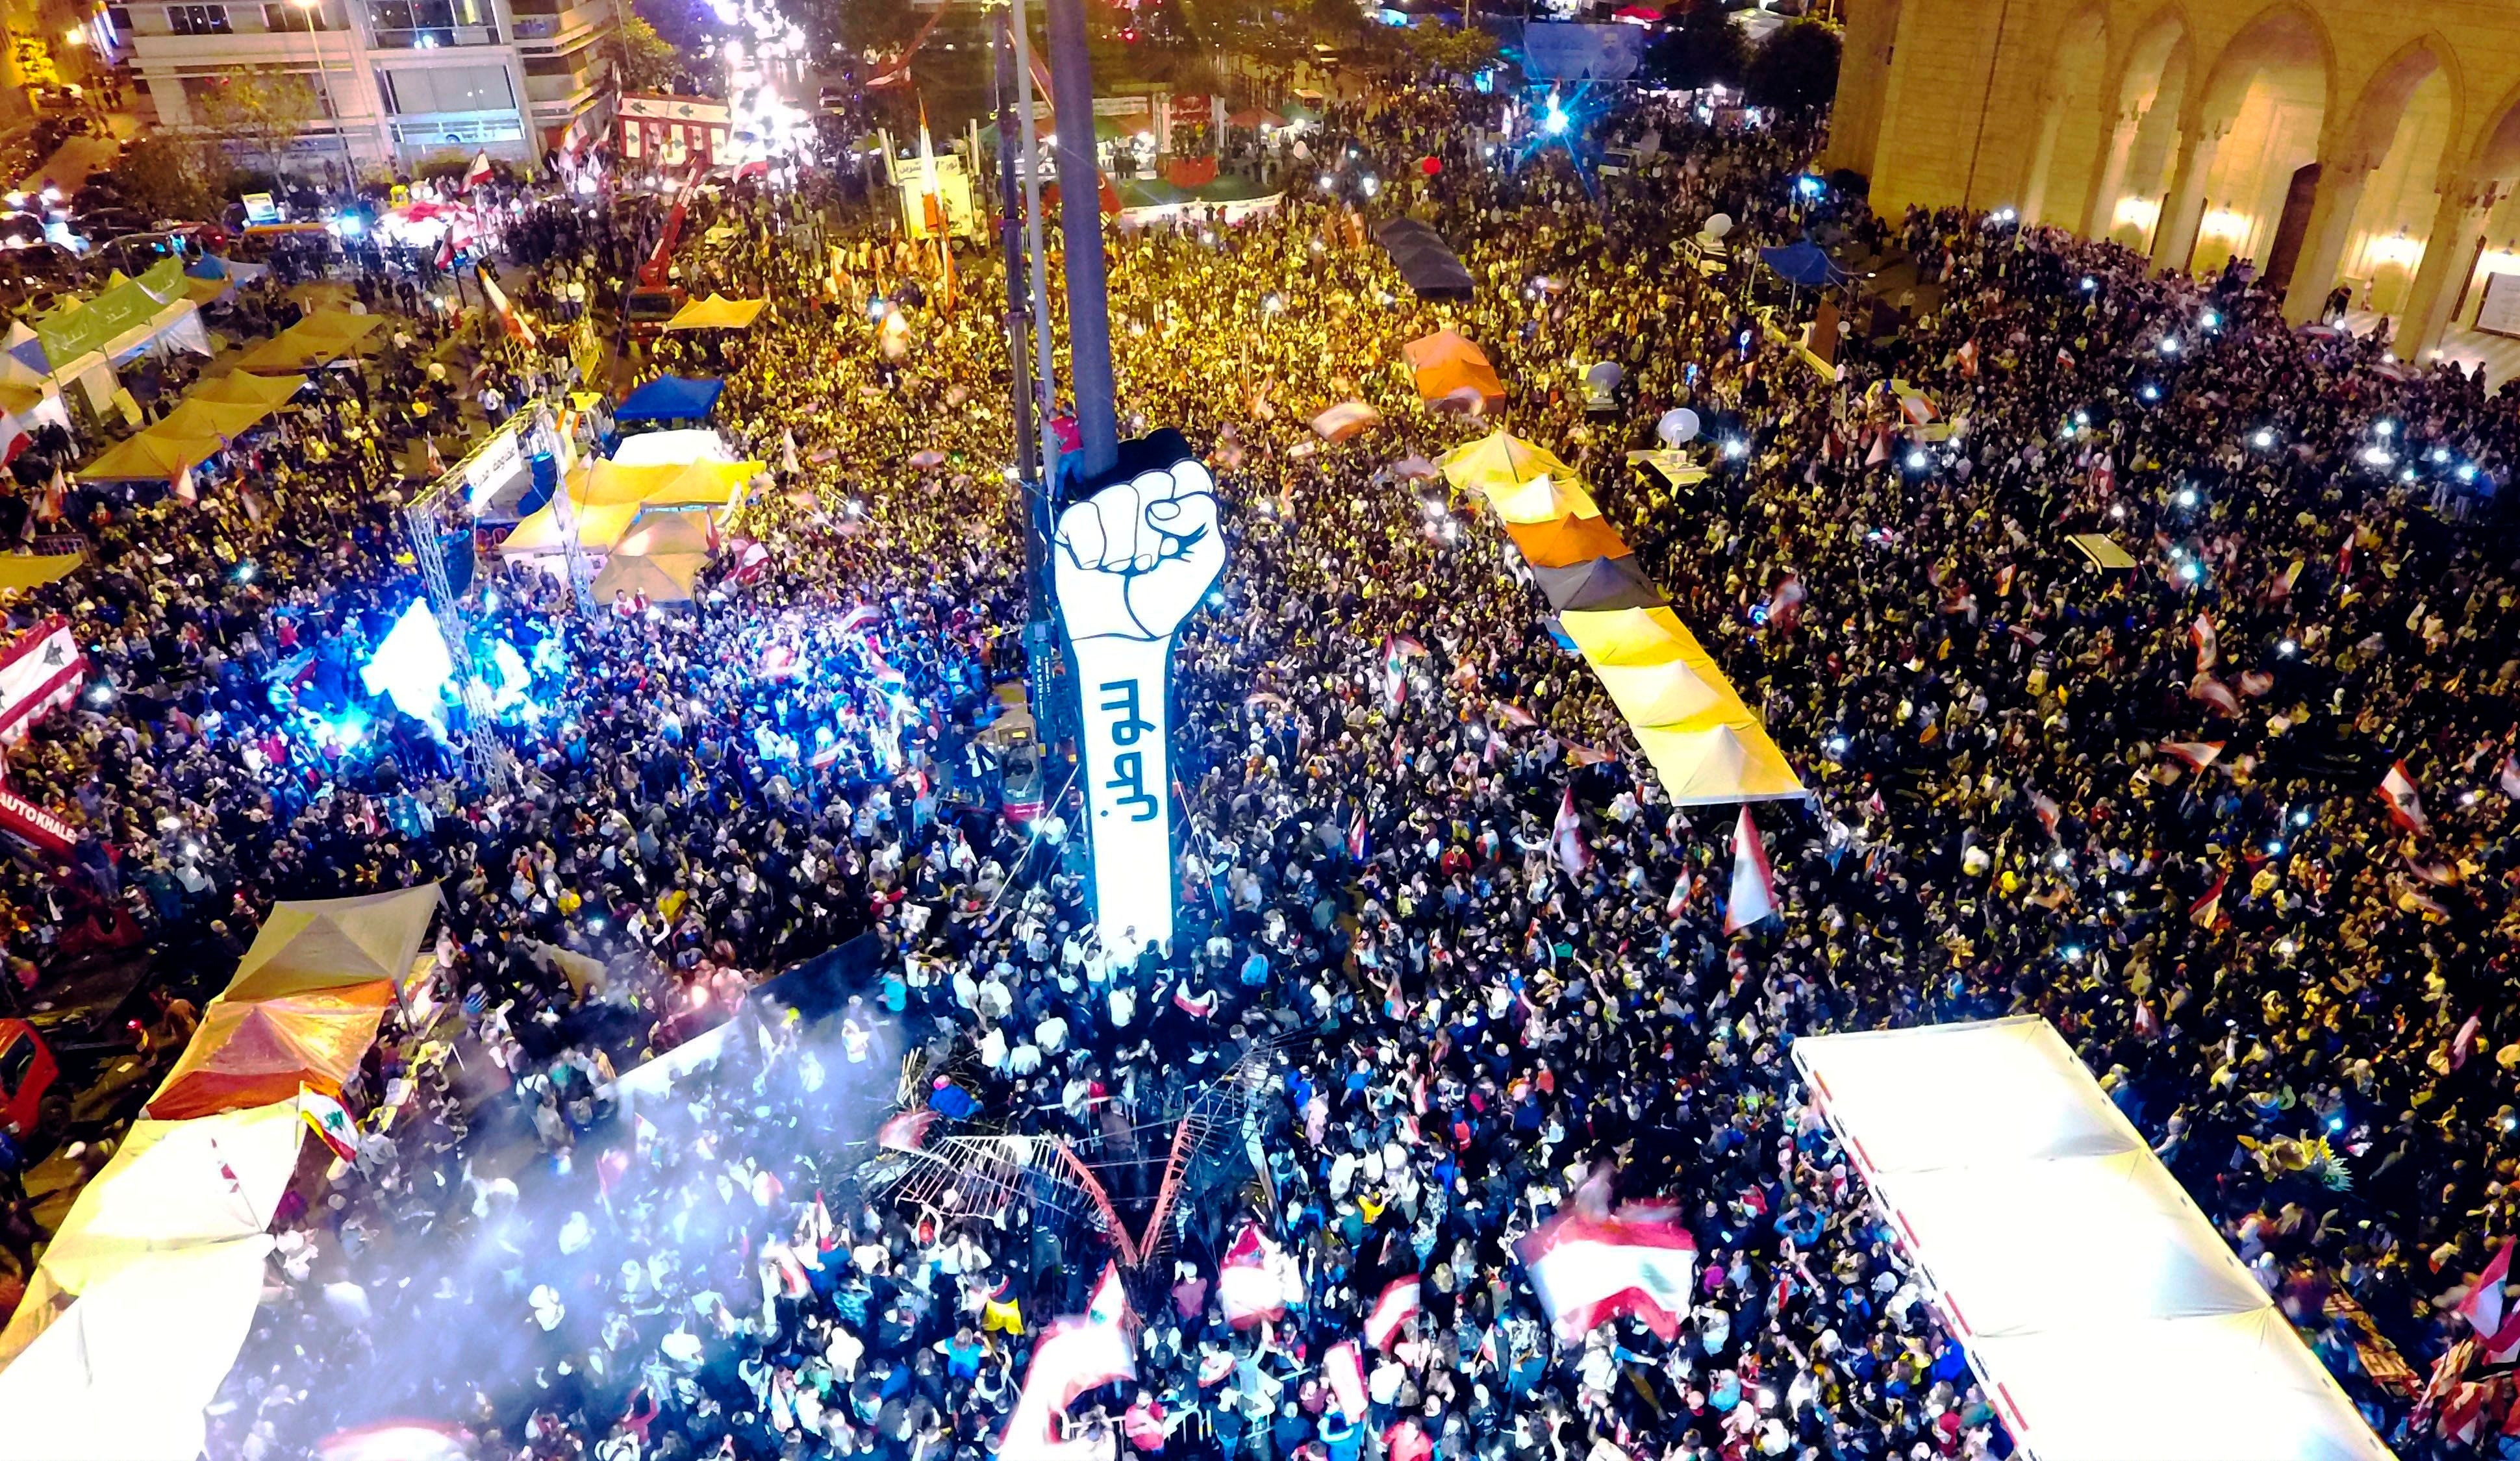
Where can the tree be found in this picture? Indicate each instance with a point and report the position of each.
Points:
(172, 177)
(1704, 49)
(1463, 51)
(267, 109)
(1796, 69)
(642, 60)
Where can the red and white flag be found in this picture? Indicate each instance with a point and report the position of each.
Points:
(2510, 781)
(1567, 837)
(478, 174)
(1683, 888)
(330, 1121)
(1343, 1371)
(2201, 634)
(906, 1132)
(2461, 1046)
(2208, 690)
(1251, 1283)
(40, 672)
(1358, 840)
(1111, 1302)
(1633, 1263)
(2049, 812)
(519, 328)
(1074, 1356)
(1197, 1006)
(1399, 1301)
(2207, 912)
(2405, 803)
(2195, 755)
(1754, 887)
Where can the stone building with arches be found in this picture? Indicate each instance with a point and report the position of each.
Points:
(2369, 143)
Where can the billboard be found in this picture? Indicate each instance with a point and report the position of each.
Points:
(950, 209)
(1565, 52)
(1131, 561)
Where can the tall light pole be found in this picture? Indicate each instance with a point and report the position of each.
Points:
(313, 10)
(1080, 218)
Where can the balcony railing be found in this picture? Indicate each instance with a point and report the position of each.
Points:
(434, 38)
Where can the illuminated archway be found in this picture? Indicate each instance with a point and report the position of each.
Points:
(2140, 128)
(2072, 134)
(2257, 120)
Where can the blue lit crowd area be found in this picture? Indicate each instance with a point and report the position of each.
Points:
(768, 1090)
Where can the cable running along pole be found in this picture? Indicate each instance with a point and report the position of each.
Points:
(1080, 219)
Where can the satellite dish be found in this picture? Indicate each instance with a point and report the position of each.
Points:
(1677, 426)
(1718, 225)
(1604, 377)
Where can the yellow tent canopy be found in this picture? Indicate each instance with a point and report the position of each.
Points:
(199, 417)
(241, 389)
(325, 335)
(17, 398)
(664, 484)
(1542, 499)
(1715, 750)
(664, 534)
(717, 311)
(600, 527)
(665, 578)
(1500, 459)
(19, 571)
(326, 943)
(152, 455)
(1657, 694)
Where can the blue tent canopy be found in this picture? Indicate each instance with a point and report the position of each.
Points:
(671, 398)
(1804, 263)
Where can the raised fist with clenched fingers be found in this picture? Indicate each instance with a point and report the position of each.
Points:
(1136, 557)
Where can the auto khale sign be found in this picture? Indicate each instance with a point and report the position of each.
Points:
(39, 672)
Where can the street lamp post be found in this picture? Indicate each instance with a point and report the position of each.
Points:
(313, 10)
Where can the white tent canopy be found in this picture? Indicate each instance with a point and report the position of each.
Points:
(673, 448)
(2105, 1314)
(155, 1273)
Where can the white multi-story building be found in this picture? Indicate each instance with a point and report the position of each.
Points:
(395, 81)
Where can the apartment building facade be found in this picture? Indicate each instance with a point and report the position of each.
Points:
(394, 83)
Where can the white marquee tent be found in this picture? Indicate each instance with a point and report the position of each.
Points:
(138, 1309)
(2106, 1315)
(673, 448)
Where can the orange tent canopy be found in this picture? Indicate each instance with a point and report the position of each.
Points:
(255, 1053)
(1449, 367)
(1567, 542)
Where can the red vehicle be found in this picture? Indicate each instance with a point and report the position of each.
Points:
(35, 1101)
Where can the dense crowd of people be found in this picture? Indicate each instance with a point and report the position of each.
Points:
(2141, 803)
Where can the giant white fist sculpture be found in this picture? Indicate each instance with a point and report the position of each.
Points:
(1131, 562)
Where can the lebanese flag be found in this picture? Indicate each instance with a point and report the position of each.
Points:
(2406, 804)
(1566, 836)
(1111, 1302)
(1074, 1356)
(2104, 473)
(1590, 1270)
(1683, 888)
(1399, 1301)
(2214, 692)
(2049, 814)
(2510, 781)
(777, 662)
(2207, 912)
(40, 672)
(2461, 1046)
(519, 328)
(1357, 839)
(478, 173)
(1202, 1008)
(906, 1132)
(2195, 755)
(332, 1122)
(446, 252)
(1249, 1286)
(1754, 887)
(1344, 1370)
(2201, 634)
